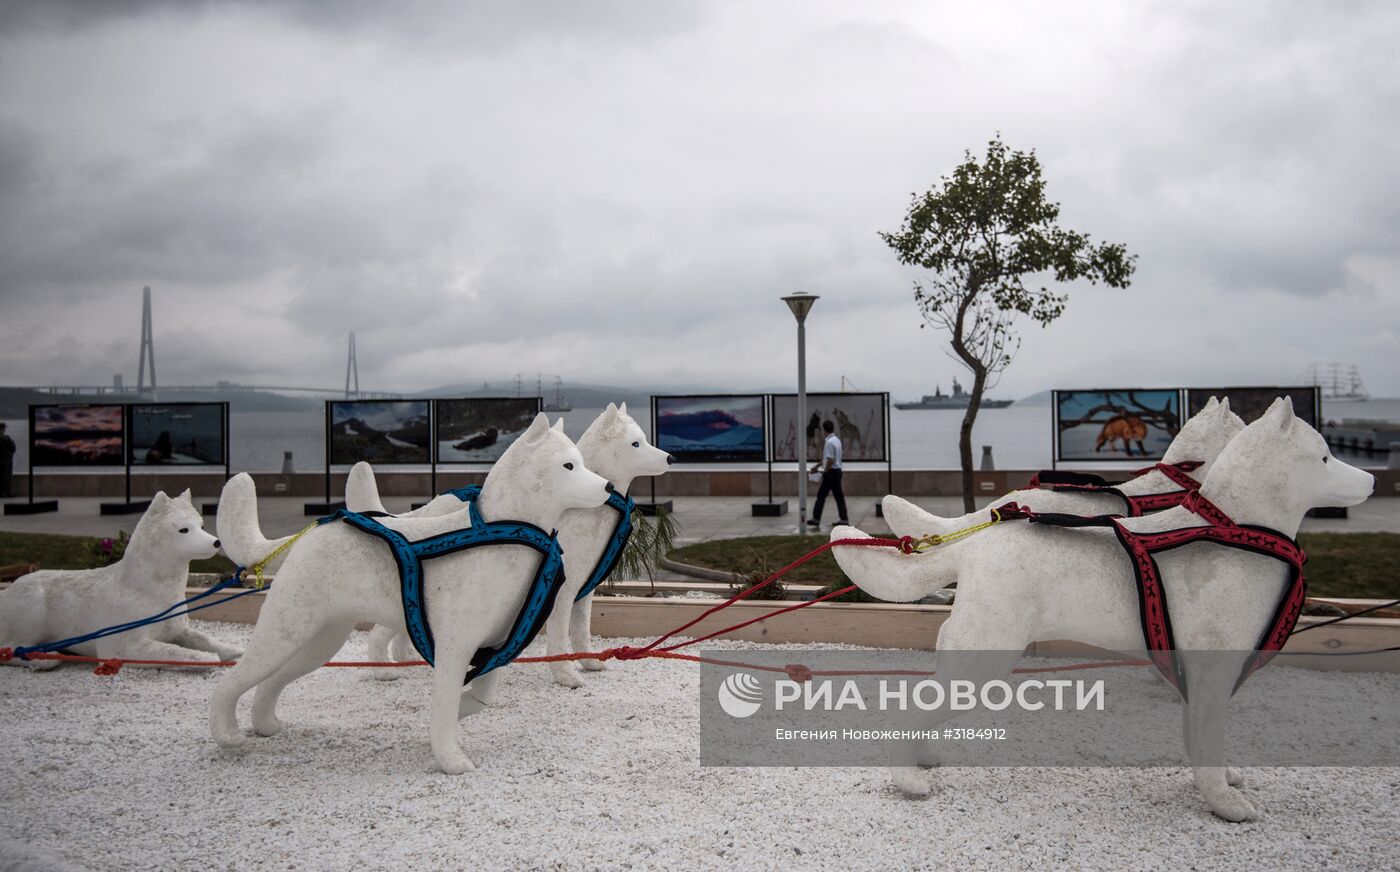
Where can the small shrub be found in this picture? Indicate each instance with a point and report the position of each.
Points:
(763, 567)
(105, 552)
(850, 596)
(650, 542)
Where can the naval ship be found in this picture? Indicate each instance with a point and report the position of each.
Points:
(959, 399)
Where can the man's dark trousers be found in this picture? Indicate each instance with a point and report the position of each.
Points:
(831, 484)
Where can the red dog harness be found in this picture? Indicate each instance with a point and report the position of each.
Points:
(1152, 595)
(1137, 506)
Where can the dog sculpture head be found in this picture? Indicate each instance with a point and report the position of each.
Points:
(173, 527)
(617, 449)
(1282, 462)
(544, 474)
(1204, 435)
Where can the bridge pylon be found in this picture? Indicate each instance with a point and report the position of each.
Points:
(148, 348)
(352, 369)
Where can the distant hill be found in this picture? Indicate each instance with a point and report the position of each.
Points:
(579, 396)
(585, 396)
(15, 402)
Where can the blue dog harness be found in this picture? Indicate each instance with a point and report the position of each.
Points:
(622, 531)
(539, 599)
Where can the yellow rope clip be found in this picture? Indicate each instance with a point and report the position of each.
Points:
(924, 543)
(257, 568)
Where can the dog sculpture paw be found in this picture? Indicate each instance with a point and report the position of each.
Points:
(592, 665)
(226, 654)
(568, 677)
(1232, 805)
(268, 725)
(1233, 776)
(912, 781)
(234, 739)
(455, 762)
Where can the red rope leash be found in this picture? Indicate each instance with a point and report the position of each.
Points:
(795, 671)
(654, 649)
(905, 545)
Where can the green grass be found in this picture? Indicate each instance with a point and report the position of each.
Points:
(1339, 564)
(763, 555)
(1353, 564)
(52, 551)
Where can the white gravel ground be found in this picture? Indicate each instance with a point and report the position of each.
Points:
(120, 773)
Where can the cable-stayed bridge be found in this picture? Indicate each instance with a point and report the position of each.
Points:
(147, 364)
(218, 388)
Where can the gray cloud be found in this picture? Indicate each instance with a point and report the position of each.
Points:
(488, 26)
(621, 191)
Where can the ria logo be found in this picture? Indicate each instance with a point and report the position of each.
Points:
(740, 695)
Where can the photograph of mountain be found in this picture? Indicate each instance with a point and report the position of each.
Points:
(379, 432)
(710, 429)
(86, 435)
(480, 429)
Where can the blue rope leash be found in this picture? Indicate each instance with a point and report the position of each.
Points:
(164, 615)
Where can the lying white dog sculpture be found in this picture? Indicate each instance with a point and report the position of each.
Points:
(1201, 439)
(50, 605)
(335, 577)
(613, 446)
(1020, 583)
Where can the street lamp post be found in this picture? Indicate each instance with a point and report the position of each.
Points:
(801, 304)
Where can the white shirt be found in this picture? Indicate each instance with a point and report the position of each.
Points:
(832, 452)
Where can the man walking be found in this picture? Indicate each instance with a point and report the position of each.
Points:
(7, 461)
(830, 467)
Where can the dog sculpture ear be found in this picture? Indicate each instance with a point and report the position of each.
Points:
(612, 407)
(558, 426)
(159, 501)
(186, 497)
(1212, 403)
(1288, 416)
(1225, 407)
(538, 427)
(622, 409)
(1280, 412)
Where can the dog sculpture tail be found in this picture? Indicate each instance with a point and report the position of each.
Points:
(907, 519)
(888, 573)
(362, 491)
(242, 537)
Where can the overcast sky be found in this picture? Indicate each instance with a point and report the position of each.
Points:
(620, 191)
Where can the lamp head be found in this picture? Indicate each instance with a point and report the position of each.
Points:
(800, 304)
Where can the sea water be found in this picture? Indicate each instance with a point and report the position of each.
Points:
(1020, 435)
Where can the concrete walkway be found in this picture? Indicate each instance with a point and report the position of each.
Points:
(701, 518)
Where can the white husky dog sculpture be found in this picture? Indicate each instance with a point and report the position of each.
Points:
(1021, 583)
(1202, 438)
(613, 446)
(50, 605)
(335, 577)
